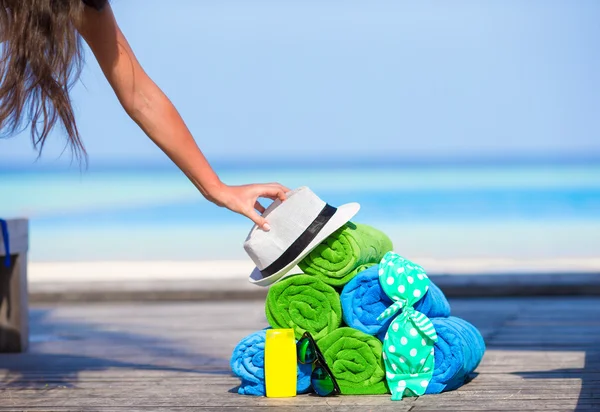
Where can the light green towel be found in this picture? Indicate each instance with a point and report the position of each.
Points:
(345, 252)
(356, 361)
(304, 303)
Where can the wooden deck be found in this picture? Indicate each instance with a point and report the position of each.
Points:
(543, 354)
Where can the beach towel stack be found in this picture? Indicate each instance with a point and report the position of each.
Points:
(310, 301)
(382, 325)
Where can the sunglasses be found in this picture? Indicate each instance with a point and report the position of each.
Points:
(321, 378)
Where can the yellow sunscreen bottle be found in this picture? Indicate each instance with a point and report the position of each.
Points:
(281, 365)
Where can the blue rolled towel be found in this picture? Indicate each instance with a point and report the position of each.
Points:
(248, 363)
(363, 300)
(458, 351)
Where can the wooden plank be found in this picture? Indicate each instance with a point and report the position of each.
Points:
(176, 357)
(232, 400)
(208, 392)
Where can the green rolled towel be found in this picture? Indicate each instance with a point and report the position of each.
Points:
(356, 361)
(304, 303)
(345, 252)
(364, 267)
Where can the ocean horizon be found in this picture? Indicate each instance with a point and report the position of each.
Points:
(510, 209)
(320, 161)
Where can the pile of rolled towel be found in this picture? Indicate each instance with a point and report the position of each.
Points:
(339, 299)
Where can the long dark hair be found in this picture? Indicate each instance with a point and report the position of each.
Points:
(41, 59)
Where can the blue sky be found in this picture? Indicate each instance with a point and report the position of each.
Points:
(418, 80)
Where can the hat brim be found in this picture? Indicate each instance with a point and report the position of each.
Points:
(342, 216)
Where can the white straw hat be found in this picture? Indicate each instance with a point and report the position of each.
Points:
(298, 225)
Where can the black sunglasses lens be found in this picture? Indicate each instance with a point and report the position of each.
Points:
(305, 351)
(322, 382)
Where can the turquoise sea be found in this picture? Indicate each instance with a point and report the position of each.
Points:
(439, 211)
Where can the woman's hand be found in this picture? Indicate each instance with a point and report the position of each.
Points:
(244, 199)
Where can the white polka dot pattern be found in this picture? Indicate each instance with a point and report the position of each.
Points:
(408, 344)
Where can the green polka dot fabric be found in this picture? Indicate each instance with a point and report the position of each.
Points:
(408, 344)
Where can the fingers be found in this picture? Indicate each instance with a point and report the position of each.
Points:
(279, 186)
(284, 188)
(260, 221)
(272, 192)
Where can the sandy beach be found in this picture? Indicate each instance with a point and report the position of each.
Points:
(238, 270)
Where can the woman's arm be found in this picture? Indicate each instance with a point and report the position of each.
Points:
(150, 108)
